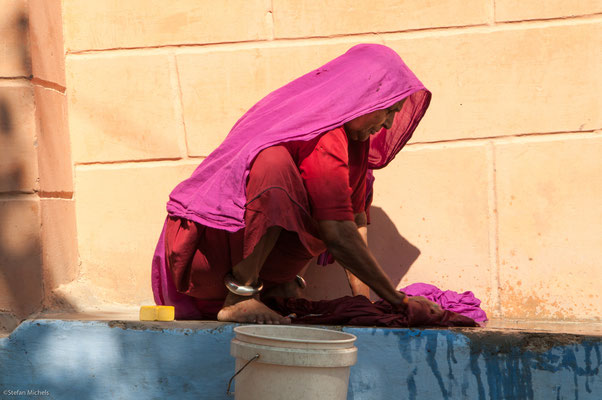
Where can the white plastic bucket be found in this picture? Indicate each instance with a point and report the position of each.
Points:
(293, 362)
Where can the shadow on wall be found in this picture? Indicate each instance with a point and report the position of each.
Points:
(22, 24)
(394, 253)
(21, 272)
(11, 174)
(105, 360)
(17, 41)
(20, 250)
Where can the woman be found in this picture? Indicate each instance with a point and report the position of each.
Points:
(291, 180)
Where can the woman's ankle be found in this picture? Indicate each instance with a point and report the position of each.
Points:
(232, 298)
(285, 290)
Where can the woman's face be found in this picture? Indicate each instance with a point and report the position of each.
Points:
(363, 126)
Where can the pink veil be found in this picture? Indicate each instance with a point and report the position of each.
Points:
(366, 78)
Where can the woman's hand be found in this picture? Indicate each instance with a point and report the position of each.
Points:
(434, 308)
(400, 302)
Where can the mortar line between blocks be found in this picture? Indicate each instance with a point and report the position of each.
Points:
(79, 268)
(15, 82)
(234, 45)
(138, 163)
(16, 196)
(554, 20)
(55, 195)
(48, 85)
(516, 138)
(179, 104)
(491, 13)
(494, 258)
(331, 39)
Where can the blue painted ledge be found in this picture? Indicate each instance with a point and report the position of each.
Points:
(71, 359)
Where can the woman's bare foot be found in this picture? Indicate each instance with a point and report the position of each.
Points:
(249, 310)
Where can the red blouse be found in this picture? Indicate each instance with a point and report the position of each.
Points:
(334, 170)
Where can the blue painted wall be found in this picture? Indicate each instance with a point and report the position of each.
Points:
(448, 364)
(102, 360)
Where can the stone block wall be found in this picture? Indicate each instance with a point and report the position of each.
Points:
(38, 240)
(498, 192)
(21, 290)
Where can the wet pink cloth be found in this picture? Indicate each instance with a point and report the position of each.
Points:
(462, 303)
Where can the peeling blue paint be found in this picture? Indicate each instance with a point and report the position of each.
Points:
(439, 364)
(99, 360)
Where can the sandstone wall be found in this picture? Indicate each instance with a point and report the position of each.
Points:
(38, 241)
(499, 191)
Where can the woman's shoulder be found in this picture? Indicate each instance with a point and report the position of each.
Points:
(332, 138)
(334, 135)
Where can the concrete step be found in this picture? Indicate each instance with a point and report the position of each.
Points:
(111, 355)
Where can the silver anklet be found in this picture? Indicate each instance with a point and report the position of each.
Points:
(300, 281)
(241, 290)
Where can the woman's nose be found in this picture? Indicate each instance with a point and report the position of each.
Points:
(389, 122)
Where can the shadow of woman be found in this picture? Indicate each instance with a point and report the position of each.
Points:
(394, 253)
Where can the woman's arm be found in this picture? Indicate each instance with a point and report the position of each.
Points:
(346, 245)
(357, 286)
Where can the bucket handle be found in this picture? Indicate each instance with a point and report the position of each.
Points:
(228, 392)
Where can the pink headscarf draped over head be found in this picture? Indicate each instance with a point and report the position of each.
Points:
(366, 78)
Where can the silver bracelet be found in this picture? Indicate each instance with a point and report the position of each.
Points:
(300, 281)
(241, 290)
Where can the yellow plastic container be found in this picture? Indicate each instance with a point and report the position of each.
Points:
(157, 313)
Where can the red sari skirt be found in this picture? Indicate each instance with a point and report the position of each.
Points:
(198, 257)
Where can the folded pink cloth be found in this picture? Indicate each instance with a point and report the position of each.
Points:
(462, 303)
